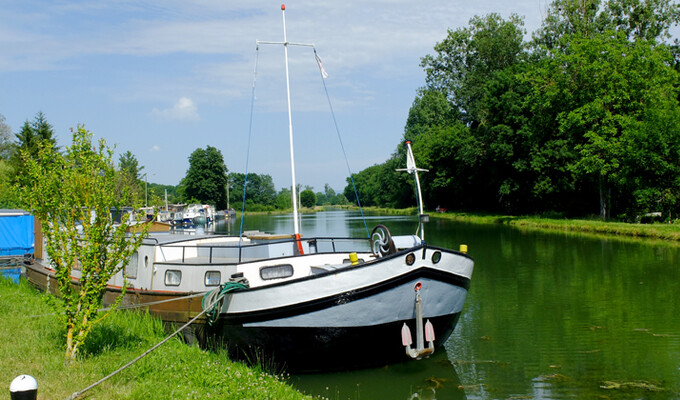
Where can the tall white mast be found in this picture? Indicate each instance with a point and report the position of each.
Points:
(296, 229)
(294, 196)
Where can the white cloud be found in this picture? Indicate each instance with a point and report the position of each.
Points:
(155, 148)
(183, 110)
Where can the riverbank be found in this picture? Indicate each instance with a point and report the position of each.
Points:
(33, 344)
(661, 231)
(670, 232)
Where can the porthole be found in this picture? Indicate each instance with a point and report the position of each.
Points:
(173, 277)
(276, 272)
(213, 278)
(410, 258)
(436, 257)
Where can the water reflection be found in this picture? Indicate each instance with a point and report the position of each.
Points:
(548, 316)
(558, 316)
(433, 378)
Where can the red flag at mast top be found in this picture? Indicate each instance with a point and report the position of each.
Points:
(283, 7)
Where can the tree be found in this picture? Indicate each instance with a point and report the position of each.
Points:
(430, 109)
(636, 19)
(128, 174)
(30, 137)
(478, 70)
(260, 189)
(307, 198)
(284, 200)
(589, 109)
(605, 89)
(73, 195)
(467, 60)
(380, 185)
(7, 194)
(206, 178)
(5, 139)
(642, 19)
(128, 164)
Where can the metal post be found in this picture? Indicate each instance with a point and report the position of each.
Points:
(23, 387)
(290, 126)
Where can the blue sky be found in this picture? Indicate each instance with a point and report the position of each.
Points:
(161, 78)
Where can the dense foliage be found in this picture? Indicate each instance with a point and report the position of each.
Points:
(583, 119)
(72, 195)
(259, 191)
(307, 198)
(27, 140)
(206, 178)
(128, 175)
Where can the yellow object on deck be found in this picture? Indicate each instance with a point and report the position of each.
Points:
(353, 258)
(463, 248)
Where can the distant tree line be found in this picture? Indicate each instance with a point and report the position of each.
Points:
(205, 181)
(583, 119)
(208, 179)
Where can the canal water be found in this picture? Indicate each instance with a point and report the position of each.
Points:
(548, 316)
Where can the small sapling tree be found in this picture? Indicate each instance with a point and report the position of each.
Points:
(74, 195)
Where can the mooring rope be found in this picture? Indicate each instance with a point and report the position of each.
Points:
(250, 134)
(342, 146)
(131, 306)
(337, 130)
(107, 377)
(213, 311)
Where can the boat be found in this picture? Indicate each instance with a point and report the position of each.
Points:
(198, 214)
(222, 215)
(310, 304)
(168, 275)
(339, 303)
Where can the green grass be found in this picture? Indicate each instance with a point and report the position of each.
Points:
(660, 231)
(35, 346)
(668, 232)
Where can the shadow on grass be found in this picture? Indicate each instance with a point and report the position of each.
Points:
(105, 337)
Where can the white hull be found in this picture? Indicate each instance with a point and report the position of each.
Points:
(322, 321)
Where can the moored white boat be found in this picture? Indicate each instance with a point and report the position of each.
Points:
(341, 315)
(315, 305)
(307, 303)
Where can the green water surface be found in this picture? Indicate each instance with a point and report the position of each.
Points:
(548, 316)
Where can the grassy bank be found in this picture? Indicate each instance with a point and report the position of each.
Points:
(35, 346)
(670, 232)
(661, 231)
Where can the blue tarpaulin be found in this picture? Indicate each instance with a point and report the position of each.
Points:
(16, 235)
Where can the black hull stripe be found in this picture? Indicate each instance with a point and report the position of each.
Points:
(344, 297)
(326, 348)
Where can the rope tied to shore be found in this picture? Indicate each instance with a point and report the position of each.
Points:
(211, 305)
(213, 310)
(130, 306)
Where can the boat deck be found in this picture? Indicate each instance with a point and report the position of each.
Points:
(204, 261)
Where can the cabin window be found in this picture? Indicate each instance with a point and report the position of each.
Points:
(131, 268)
(276, 272)
(436, 257)
(213, 278)
(173, 277)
